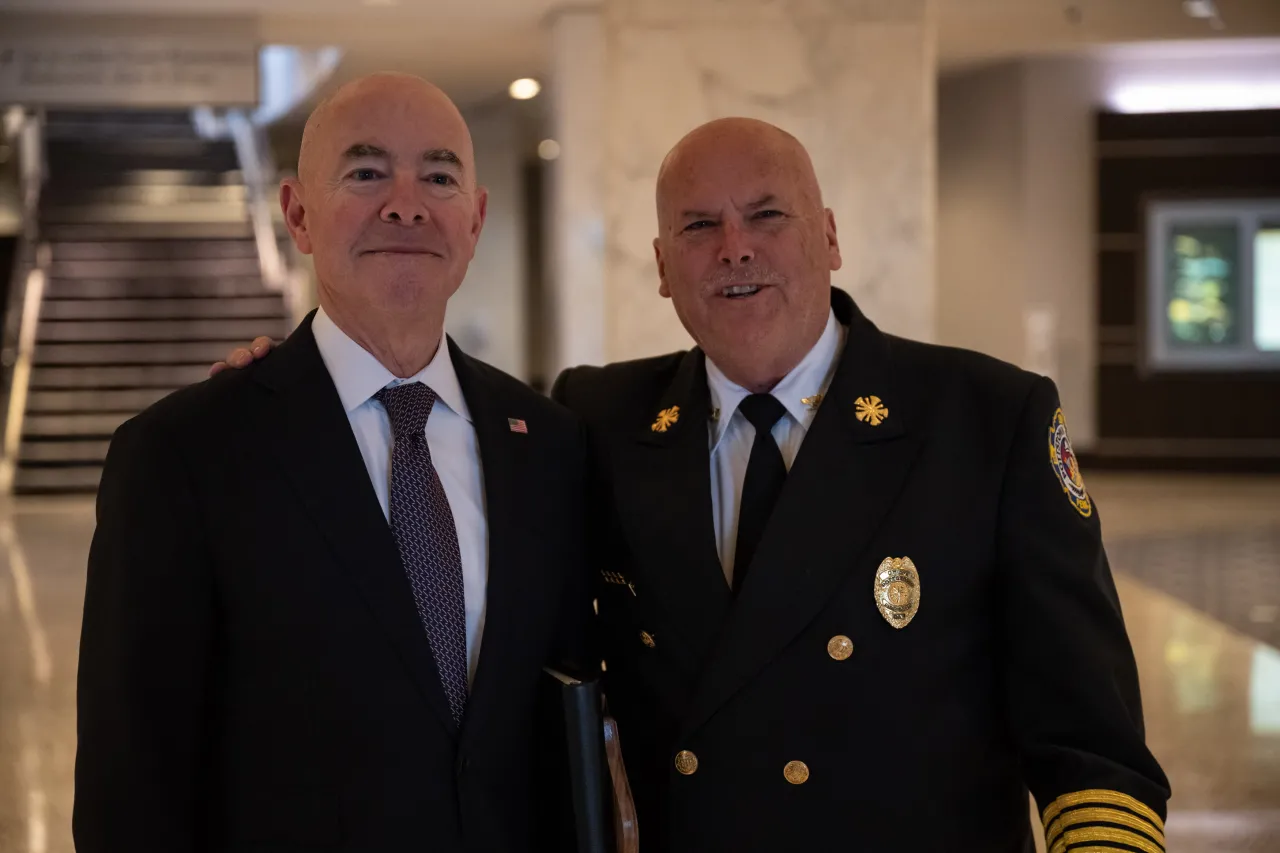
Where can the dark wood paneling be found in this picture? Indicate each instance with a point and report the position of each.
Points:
(1249, 124)
(1117, 302)
(1187, 405)
(1124, 182)
(1187, 419)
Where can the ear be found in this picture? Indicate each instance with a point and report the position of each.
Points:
(833, 244)
(481, 212)
(664, 289)
(295, 214)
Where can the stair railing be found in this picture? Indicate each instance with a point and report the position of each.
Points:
(32, 262)
(257, 166)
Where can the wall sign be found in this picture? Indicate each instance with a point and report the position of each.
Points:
(128, 72)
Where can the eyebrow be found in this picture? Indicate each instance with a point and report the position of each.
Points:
(444, 155)
(362, 150)
(763, 201)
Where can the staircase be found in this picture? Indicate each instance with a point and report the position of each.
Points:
(154, 276)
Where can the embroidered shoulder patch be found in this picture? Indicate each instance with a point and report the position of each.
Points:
(1066, 466)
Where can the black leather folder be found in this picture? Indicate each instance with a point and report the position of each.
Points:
(589, 783)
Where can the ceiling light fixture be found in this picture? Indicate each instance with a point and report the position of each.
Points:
(1203, 10)
(548, 149)
(1195, 97)
(524, 88)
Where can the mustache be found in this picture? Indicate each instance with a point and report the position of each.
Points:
(747, 274)
(399, 240)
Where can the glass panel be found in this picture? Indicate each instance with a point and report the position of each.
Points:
(1202, 299)
(1266, 287)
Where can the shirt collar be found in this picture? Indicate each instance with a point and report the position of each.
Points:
(358, 375)
(797, 390)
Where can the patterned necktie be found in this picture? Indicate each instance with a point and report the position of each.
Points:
(428, 541)
(766, 474)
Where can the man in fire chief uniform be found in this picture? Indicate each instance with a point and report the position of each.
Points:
(853, 590)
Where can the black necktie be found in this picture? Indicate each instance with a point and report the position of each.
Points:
(422, 523)
(766, 472)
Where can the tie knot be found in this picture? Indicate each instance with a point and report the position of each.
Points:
(408, 406)
(763, 410)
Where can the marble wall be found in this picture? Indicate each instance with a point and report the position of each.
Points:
(852, 79)
(575, 197)
(487, 314)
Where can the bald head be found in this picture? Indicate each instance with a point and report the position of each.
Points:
(745, 249)
(332, 119)
(746, 144)
(387, 204)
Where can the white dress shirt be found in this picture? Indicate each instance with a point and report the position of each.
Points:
(450, 436)
(732, 435)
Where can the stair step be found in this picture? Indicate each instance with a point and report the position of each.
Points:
(77, 424)
(202, 353)
(84, 401)
(67, 198)
(170, 309)
(156, 288)
(201, 212)
(68, 158)
(106, 331)
(77, 124)
(46, 480)
(147, 230)
(141, 376)
(173, 177)
(147, 250)
(64, 451)
(191, 267)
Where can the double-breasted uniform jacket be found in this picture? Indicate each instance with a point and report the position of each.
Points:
(928, 630)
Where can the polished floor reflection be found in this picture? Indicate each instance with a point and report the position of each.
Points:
(1197, 562)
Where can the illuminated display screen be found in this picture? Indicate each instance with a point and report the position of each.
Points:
(1214, 285)
(1266, 287)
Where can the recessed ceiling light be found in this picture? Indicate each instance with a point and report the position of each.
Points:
(381, 2)
(524, 88)
(548, 149)
(1204, 10)
(1199, 8)
(1195, 97)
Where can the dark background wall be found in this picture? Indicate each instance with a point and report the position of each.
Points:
(1196, 420)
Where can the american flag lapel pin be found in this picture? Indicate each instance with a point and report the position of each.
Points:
(518, 425)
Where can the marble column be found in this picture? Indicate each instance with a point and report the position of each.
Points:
(852, 79)
(575, 209)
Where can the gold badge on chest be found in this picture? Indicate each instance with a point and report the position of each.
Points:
(897, 590)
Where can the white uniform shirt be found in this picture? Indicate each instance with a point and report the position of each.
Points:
(732, 435)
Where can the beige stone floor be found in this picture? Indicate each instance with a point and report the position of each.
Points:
(1211, 689)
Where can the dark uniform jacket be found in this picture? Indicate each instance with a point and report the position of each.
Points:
(254, 676)
(842, 702)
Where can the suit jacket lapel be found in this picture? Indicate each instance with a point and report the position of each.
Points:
(511, 586)
(845, 479)
(664, 504)
(312, 439)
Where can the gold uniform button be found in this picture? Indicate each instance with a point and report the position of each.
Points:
(797, 772)
(840, 647)
(647, 639)
(686, 763)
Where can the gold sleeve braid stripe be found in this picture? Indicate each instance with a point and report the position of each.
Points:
(1100, 797)
(1090, 834)
(1076, 817)
(1124, 811)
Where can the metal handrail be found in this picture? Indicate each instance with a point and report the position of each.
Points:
(258, 169)
(32, 261)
